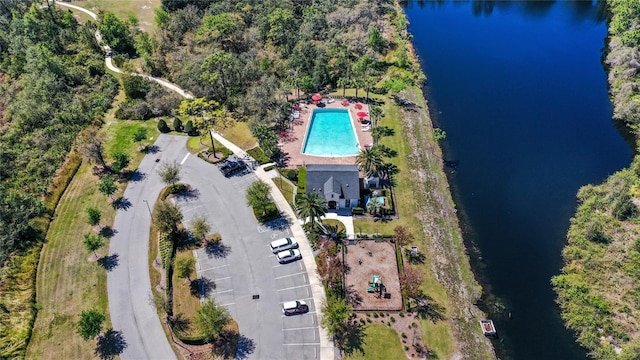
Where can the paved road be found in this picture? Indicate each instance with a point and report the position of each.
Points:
(128, 284)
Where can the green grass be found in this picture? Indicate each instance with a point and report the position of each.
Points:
(239, 134)
(381, 343)
(119, 135)
(183, 301)
(142, 10)
(285, 188)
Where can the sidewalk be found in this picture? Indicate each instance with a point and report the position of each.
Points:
(317, 290)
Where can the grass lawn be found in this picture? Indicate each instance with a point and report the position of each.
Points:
(67, 283)
(143, 10)
(381, 343)
(183, 302)
(438, 336)
(285, 188)
(239, 134)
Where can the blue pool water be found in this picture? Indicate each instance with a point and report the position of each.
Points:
(330, 133)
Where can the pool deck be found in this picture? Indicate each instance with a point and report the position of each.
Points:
(292, 142)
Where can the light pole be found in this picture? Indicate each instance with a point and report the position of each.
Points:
(213, 147)
(148, 208)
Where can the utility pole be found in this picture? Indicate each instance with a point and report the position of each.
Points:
(213, 147)
(148, 208)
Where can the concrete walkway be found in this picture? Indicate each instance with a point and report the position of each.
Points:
(317, 290)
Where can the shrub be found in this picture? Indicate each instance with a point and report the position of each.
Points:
(166, 249)
(392, 319)
(357, 210)
(163, 127)
(406, 348)
(404, 336)
(140, 134)
(401, 314)
(270, 167)
(177, 124)
(189, 129)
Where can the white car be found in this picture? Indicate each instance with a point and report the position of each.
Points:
(288, 255)
(283, 244)
(294, 307)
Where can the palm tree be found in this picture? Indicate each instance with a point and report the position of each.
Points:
(258, 196)
(343, 83)
(311, 206)
(375, 112)
(370, 161)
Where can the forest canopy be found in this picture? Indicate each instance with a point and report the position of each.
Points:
(52, 85)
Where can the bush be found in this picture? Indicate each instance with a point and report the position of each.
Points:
(404, 336)
(140, 134)
(270, 167)
(357, 210)
(189, 129)
(392, 319)
(177, 124)
(134, 110)
(163, 127)
(259, 155)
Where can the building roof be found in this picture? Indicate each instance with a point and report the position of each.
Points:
(333, 178)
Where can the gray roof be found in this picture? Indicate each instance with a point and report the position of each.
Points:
(340, 179)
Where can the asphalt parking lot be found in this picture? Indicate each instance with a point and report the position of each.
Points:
(242, 274)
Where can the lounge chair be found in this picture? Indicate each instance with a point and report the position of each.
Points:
(330, 99)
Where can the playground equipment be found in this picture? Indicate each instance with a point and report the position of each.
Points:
(375, 283)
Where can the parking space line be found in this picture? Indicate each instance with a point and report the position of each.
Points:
(221, 291)
(229, 304)
(293, 287)
(185, 158)
(301, 328)
(305, 299)
(213, 268)
(308, 312)
(222, 278)
(302, 344)
(285, 276)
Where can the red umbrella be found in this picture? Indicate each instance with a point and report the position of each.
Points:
(345, 103)
(358, 106)
(362, 114)
(316, 97)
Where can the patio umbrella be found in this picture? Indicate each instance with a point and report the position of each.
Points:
(358, 106)
(316, 97)
(345, 103)
(362, 114)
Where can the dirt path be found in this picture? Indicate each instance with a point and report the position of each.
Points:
(442, 231)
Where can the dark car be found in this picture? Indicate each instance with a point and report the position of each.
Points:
(232, 167)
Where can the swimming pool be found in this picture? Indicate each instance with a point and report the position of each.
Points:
(330, 133)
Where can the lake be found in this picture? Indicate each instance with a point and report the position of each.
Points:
(521, 92)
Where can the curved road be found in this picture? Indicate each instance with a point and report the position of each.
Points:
(128, 285)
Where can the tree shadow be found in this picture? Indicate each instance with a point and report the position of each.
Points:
(246, 347)
(180, 323)
(187, 195)
(350, 337)
(107, 231)
(121, 203)
(279, 224)
(109, 262)
(110, 344)
(185, 241)
(429, 309)
(201, 287)
(415, 257)
(387, 151)
(353, 296)
(136, 176)
(217, 250)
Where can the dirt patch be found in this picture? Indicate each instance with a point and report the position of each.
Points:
(365, 259)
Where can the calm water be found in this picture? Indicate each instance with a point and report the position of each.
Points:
(521, 93)
(330, 134)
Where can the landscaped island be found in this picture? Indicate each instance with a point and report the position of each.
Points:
(599, 288)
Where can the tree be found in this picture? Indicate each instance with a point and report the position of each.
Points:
(115, 33)
(376, 41)
(343, 83)
(93, 242)
(376, 113)
(107, 186)
(163, 127)
(335, 313)
(135, 86)
(120, 160)
(402, 235)
(189, 128)
(311, 206)
(17, 212)
(211, 319)
(140, 134)
(90, 146)
(170, 172)
(166, 216)
(93, 216)
(374, 207)
(369, 160)
(268, 140)
(177, 124)
(184, 267)
(90, 323)
(200, 228)
(258, 195)
(410, 282)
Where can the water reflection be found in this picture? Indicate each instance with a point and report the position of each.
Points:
(580, 10)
